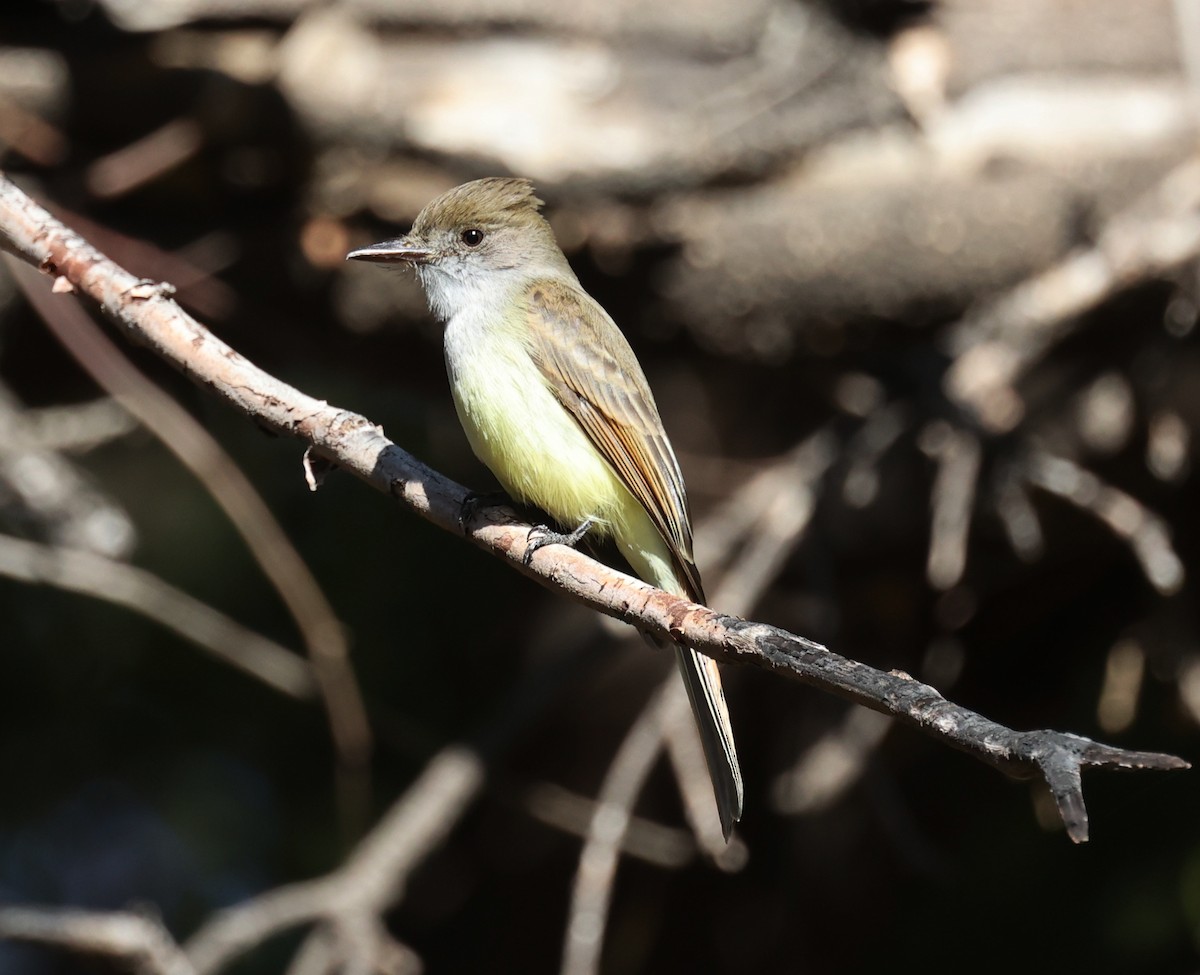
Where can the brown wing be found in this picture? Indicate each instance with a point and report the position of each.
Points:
(596, 376)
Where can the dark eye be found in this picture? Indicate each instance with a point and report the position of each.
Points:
(472, 237)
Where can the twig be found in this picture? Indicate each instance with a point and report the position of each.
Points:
(591, 892)
(145, 159)
(132, 938)
(1187, 19)
(957, 455)
(1145, 532)
(1018, 515)
(373, 878)
(55, 498)
(997, 343)
(776, 507)
(191, 269)
(831, 765)
(369, 882)
(1168, 446)
(664, 846)
(231, 489)
(30, 134)
(78, 428)
(883, 427)
(145, 593)
(144, 310)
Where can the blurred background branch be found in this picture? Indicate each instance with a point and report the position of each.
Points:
(816, 220)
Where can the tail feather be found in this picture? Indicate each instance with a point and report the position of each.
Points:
(703, 682)
(660, 564)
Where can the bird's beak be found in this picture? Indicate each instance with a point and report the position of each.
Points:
(398, 251)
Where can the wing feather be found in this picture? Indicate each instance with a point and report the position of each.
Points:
(593, 372)
(596, 377)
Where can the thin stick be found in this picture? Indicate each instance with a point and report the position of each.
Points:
(147, 313)
(197, 450)
(145, 593)
(123, 936)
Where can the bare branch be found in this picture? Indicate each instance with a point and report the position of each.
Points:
(775, 507)
(30, 134)
(832, 764)
(369, 882)
(191, 269)
(144, 310)
(883, 427)
(231, 489)
(1145, 532)
(58, 501)
(145, 159)
(664, 846)
(133, 938)
(1020, 519)
(957, 454)
(591, 893)
(997, 343)
(79, 427)
(145, 593)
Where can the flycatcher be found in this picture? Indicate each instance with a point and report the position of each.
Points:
(553, 400)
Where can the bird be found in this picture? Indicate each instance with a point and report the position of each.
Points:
(554, 402)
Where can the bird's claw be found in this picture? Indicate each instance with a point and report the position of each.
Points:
(475, 502)
(542, 535)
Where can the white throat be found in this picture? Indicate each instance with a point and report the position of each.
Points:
(456, 287)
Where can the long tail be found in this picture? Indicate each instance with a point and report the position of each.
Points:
(703, 682)
(656, 562)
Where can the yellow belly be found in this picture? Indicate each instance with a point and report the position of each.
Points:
(539, 454)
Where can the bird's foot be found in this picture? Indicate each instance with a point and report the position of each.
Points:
(542, 535)
(476, 501)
